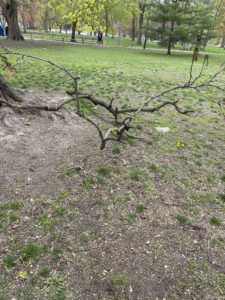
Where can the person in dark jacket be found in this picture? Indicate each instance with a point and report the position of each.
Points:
(100, 38)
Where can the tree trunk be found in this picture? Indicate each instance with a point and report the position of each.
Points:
(170, 42)
(46, 21)
(10, 12)
(133, 29)
(24, 23)
(24, 27)
(74, 26)
(145, 42)
(162, 37)
(223, 41)
(106, 23)
(7, 91)
(141, 22)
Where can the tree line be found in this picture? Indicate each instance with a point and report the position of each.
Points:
(167, 21)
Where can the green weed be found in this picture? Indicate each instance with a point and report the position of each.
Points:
(57, 285)
(216, 221)
(136, 174)
(84, 239)
(182, 219)
(45, 222)
(153, 168)
(116, 150)
(10, 205)
(13, 217)
(32, 252)
(131, 216)
(9, 261)
(56, 254)
(140, 208)
(120, 282)
(103, 171)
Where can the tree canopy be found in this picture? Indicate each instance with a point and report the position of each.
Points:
(168, 21)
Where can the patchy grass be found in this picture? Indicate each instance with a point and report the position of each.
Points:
(31, 252)
(182, 219)
(215, 221)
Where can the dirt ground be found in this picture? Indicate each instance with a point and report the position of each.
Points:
(112, 225)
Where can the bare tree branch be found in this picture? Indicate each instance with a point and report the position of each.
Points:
(122, 117)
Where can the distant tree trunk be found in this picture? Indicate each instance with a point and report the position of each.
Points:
(170, 42)
(223, 41)
(106, 23)
(74, 26)
(24, 23)
(10, 12)
(162, 40)
(145, 42)
(46, 21)
(142, 8)
(24, 27)
(133, 30)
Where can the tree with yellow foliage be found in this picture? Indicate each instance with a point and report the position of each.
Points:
(82, 13)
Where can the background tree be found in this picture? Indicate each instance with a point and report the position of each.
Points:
(28, 11)
(220, 21)
(204, 20)
(174, 18)
(118, 13)
(80, 13)
(182, 20)
(142, 5)
(10, 12)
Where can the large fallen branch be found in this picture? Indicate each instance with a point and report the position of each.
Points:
(122, 117)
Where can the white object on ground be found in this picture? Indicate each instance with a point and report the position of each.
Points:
(163, 129)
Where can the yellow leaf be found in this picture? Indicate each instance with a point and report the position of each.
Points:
(22, 274)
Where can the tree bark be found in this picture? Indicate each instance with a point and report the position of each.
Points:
(223, 41)
(141, 22)
(73, 36)
(7, 91)
(133, 29)
(106, 23)
(24, 23)
(170, 38)
(145, 42)
(10, 12)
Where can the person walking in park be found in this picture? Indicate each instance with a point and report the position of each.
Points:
(100, 38)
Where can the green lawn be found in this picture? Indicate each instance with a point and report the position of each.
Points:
(111, 72)
(141, 220)
(110, 41)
